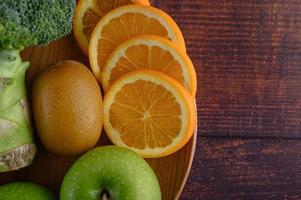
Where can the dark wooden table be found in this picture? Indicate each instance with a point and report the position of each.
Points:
(247, 54)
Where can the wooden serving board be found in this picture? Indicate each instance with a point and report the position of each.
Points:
(48, 169)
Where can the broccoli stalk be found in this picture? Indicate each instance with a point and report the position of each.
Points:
(23, 23)
(17, 146)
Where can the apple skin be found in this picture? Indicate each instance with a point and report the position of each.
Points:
(24, 191)
(119, 171)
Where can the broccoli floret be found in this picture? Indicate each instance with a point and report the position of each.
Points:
(25, 23)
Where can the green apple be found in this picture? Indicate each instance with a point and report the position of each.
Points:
(110, 173)
(24, 191)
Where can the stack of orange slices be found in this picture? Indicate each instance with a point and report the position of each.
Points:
(138, 54)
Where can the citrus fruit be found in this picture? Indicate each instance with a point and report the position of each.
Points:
(125, 22)
(152, 52)
(67, 108)
(88, 13)
(150, 113)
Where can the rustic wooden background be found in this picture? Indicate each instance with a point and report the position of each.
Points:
(248, 58)
(247, 54)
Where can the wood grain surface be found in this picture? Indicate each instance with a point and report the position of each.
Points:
(247, 55)
(245, 169)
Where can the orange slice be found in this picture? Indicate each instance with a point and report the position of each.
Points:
(150, 113)
(125, 22)
(88, 13)
(152, 52)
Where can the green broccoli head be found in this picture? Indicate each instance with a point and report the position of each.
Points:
(25, 23)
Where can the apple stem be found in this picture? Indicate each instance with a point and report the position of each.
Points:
(105, 195)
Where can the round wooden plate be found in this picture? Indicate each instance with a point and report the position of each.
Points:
(48, 170)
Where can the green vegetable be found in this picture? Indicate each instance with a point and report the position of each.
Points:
(17, 147)
(23, 23)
